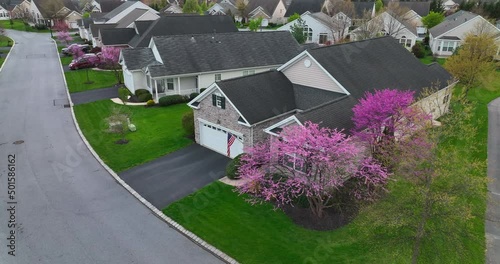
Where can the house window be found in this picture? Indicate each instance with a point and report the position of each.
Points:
(323, 37)
(170, 84)
(219, 101)
(405, 41)
(448, 46)
(248, 72)
(293, 162)
(308, 32)
(218, 77)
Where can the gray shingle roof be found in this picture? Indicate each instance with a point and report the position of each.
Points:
(119, 9)
(301, 6)
(324, 18)
(421, 8)
(184, 54)
(361, 7)
(309, 97)
(185, 24)
(85, 22)
(142, 26)
(268, 5)
(94, 28)
(116, 36)
(130, 17)
(367, 65)
(271, 93)
(109, 5)
(451, 22)
(138, 58)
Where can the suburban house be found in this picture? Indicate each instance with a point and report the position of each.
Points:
(137, 14)
(183, 64)
(271, 10)
(124, 9)
(449, 5)
(4, 13)
(171, 8)
(224, 7)
(47, 11)
(84, 28)
(21, 10)
(101, 6)
(449, 34)
(406, 28)
(421, 8)
(320, 85)
(183, 24)
(94, 33)
(302, 6)
(321, 28)
(115, 37)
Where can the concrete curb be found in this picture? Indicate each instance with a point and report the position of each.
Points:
(197, 240)
(7, 57)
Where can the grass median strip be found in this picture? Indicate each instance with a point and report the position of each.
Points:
(79, 81)
(159, 132)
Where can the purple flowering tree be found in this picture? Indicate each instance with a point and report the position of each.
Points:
(312, 162)
(109, 60)
(63, 36)
(384, 119)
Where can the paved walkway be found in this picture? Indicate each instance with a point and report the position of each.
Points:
(69, 209)
(176, 175)
(94, 95)
(493, 207)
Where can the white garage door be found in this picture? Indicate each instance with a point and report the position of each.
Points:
(217, 139)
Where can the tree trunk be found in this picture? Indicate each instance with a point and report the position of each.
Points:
(423, 220)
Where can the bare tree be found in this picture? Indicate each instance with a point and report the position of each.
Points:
(368, 27)
(396, 19)
(343, 13)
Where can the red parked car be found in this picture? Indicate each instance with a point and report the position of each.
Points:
(85, 61)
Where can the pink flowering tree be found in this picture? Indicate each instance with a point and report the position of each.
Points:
(309, 161)
(60, 26)
(64, 37)
(385, 119)
(109, 60)
(76, 51)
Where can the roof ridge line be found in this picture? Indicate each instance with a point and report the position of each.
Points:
(351, 42)
(326, 103)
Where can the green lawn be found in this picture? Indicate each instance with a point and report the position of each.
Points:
(1, 61)
(67, 60)
(159, 131)
(100, 79)
(258, 234)
(5, 41)
(429, 59)
(19, 25)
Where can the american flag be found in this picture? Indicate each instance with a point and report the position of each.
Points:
(230, 140)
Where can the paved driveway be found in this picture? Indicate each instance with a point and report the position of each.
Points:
(176, 175)
(69, 209)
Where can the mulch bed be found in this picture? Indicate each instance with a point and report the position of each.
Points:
(332, 218)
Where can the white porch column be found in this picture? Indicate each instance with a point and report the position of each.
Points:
(179, 84)
(156, 91)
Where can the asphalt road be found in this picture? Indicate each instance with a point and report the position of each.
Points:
(176, 175)
(69, 210)
(492, 224)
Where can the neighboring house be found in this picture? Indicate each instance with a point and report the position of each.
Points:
(223, 8)
(94, 33)
(302, 6)
(320, 85)
(184, 24)
(4, 13)
(449, 5)
(449, 34)
(171, 9)
(137, 14)
(21, 10)
(102, 6)
(362, 8)
(98, 18)
(124, 9)
(84, 28)
(271, 10)
(48, 11)
(401, 27)
(116, 37)
(320, 28)
(183, 64)
(421, 8)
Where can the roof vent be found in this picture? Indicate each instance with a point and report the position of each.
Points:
(192, 39)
